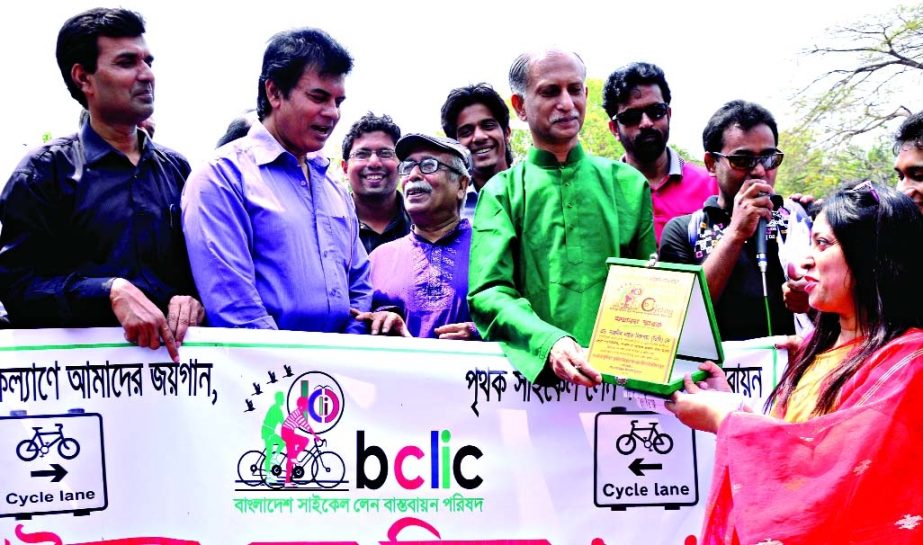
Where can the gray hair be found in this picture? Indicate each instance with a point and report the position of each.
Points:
(519, 71)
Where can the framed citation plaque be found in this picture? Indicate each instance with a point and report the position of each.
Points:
(655, 324)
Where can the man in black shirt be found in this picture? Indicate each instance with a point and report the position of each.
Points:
(741, 151)
(91, 232)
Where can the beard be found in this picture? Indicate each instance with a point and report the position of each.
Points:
(647, 146)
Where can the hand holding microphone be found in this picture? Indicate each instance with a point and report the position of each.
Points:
(751, 203)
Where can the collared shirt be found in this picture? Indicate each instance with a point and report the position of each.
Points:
(740, 311)
(428, 280)
(398, 227)
(76, 214)
(272, 248)
(683, 190)
(541, 236)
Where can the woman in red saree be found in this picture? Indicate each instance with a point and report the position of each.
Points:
(838, 459)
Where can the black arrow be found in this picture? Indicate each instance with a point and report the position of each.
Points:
(638, 466)
(56, 471)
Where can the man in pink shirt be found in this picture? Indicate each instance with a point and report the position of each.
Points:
(637, 99)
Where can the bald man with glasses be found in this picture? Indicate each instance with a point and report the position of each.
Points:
(741, 152)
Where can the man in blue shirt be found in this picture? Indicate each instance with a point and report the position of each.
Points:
(91, 234)
(273, 241)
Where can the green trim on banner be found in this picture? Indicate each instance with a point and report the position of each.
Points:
(251, 345)
(335, 347)
(62, 346)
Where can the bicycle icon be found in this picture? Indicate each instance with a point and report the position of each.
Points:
(653, 440)
(327, 468)
(29, 449)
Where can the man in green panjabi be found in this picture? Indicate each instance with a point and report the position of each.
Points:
(544, 228)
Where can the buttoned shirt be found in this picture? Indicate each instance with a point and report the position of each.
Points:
(76, 214)
(398, 227)
(683, 190)
(271, 247)
(541, 236)
(428, 280)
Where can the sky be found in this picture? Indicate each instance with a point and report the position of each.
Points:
(410, 54)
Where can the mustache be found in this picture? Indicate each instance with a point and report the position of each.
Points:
(568, 117)
(649, 134)
(420, 185)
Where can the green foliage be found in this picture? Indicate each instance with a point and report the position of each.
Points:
(817, 169)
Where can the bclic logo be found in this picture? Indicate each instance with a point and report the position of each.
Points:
(444, 466)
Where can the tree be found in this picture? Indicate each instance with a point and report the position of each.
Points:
(876, 59)
(810, 169)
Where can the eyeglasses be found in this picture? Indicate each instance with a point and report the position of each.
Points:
(867, 185)
(427, 166)
(366, 154)
(632, 116)
(770, 161)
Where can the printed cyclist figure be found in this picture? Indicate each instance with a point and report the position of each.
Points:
(273, 442)
(296, 442)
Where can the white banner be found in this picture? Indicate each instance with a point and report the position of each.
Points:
(423, 441)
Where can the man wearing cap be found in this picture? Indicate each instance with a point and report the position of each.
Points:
(426, 272)
(544, 228)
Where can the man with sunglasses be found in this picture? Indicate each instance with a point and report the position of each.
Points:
(636, 98)
(741, 151)
(425, 274)
(544, 228)
(370, 164)
(908, 147)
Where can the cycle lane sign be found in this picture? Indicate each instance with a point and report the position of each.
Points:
(644, 459)
(52, 464)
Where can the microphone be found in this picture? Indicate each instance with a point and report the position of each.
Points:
(761, 227)
(761, 245)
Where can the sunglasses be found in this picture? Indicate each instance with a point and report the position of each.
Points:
(770, 161)
(632, 116)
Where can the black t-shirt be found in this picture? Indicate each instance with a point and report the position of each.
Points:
(740, 311)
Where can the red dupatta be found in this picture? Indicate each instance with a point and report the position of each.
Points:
(851, 476)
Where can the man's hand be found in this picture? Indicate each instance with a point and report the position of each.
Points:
(750, 204)
(458, 332)
(142, 321)
(568, 361)
(805, 200)
(383, 322)
(184, 311)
